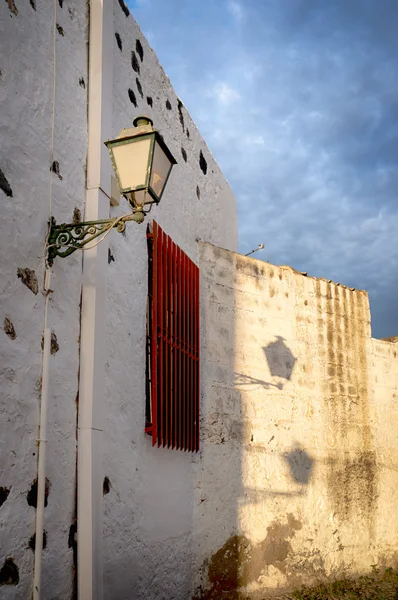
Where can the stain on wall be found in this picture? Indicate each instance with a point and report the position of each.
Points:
(202, 163)
(4, 493)
(139, 49)
(124, 8)
(134, 62)
(132, 97)
(4, 185)
(9, 573)
(9, 328)
(12, 7)
(239, 562)
(119, 41)
(31, 496)
(139, 87)
(352, 473)
(28, 278)
(32, 541)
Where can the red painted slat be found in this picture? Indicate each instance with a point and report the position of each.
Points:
(186, 358)
(190, 357)
(160, 335)
(192, 374)
(154, 335)
(180, 311)
(169, 340)
(173, 288)
(197, 365)
(165, 336)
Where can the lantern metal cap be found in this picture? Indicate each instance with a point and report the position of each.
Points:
(142, 120)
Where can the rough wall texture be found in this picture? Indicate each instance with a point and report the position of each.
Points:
(297, 474)
(149, 509)
(26, 95)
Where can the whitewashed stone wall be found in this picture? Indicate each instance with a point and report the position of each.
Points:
(148, 510)
(148, 544)
(27, 37)
(296, 481)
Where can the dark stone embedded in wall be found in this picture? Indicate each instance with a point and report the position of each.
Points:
(32, 494)
(139, 87)
(107, 486)
(4, 493)
(9, 573)
(168, 105)
(77, 216)
(54, 346)
(134, 62)
(55, 169)
(149, 101)
(184, 154)
(132, 97)
(198, 192)
(119, 41)
(111, 258)
(12, 7)
(32, 541)
(72, 543)
(33, 4)
(180, 107)
(124, 8)
(61, 3)
(28, 278)
(9, 330)
(140, 49)
(82, 83)
(202, 163)
(60, 30)
(188, 135)
(4, 185)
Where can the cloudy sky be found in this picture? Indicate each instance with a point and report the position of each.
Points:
(298, 102)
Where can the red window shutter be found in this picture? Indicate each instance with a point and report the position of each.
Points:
(174, 346)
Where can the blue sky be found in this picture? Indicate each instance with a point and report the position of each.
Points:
(298, 102)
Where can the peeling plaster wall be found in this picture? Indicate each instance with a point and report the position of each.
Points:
(296, 481)
(26, 87)
(148, 511)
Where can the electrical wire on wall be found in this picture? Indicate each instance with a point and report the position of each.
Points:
(42, 438)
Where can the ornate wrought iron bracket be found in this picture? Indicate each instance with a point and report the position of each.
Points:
(64, 239)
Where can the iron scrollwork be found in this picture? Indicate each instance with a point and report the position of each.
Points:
(64, 239)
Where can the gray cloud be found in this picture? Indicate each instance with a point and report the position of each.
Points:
(298, 102)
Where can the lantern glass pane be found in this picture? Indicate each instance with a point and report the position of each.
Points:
(142, 197)
(161, 166)
(131, 161)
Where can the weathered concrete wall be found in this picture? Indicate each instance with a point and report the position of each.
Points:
(148, 511)
(297, 476)
(26, 95)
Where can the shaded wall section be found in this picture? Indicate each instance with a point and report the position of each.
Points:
(42, 162)
(148, 512)
(309, 449)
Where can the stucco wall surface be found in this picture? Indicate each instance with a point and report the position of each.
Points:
(296, 481)
(148, 512)
(32, 37)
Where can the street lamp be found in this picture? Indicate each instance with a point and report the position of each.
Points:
(142, 164)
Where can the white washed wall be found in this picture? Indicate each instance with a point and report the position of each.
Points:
(149, 510)
(26, 87)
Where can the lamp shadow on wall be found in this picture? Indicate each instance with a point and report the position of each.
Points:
(280, 358)
(300, 467)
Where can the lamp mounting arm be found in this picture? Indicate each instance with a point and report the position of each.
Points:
(64, 239)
